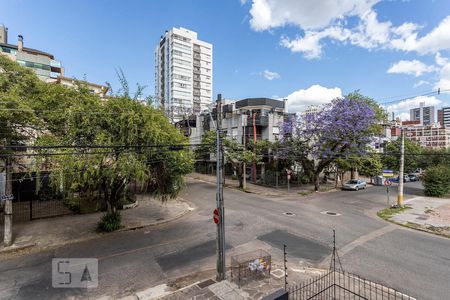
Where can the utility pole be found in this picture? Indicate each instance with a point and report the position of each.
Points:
(244, 165)
(254, 148)
(402, 166)
(7, 239)
(221, 269)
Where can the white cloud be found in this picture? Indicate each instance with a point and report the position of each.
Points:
(269, 75)
(402, 108)
(441, 61)
(243, 2)
(410, 67)
(444, 78)
(314, 95)
(420, 83)
(327, 19)
(436, 40)
(306, 14)
(310, 44)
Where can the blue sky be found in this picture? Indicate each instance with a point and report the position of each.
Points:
(307, 50)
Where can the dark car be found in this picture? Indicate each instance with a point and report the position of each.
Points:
(393, 179)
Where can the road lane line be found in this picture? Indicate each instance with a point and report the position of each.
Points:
(360, 241)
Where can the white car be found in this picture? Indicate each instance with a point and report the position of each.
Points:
(354, 184)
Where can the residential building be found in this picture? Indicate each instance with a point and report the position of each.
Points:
(440, 117)
(424, 114)
(426, 136)
(183, 73)
(444, 116)
(239, 117)
(44, 64)
(312, 109)
(94, 88)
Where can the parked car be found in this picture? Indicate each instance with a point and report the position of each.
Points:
(354, 184)
(406, 178)
(413, 177)
(393, 179)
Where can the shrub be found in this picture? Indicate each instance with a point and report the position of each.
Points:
(437, 181)
(110, 222)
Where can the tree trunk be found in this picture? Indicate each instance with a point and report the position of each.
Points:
(352, 173)
(316, 182)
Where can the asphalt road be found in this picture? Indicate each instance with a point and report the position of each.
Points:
(412, 262)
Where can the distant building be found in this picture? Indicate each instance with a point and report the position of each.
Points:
(444, 116)
(183, 73)
(44, 64)
(94, 88)
(429, 136)
(424, 114)
(267, 114)
(312, 109)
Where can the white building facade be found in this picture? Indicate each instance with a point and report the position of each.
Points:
(183, 73)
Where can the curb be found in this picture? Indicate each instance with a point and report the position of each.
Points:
(190, 208)
(12, 249)
(35, 247)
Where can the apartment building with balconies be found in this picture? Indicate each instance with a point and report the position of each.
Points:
(183, 73)
(43, 64)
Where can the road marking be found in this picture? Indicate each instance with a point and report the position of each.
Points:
(360, 241)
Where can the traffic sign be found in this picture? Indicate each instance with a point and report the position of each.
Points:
(387, 182)
(6, 197)
(388, 173)
(216, 216)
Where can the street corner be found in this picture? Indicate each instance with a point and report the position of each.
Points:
(422, 213)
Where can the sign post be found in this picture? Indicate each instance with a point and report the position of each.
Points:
(216, 216)
(289, 173)
(387, 174)
(387, 183)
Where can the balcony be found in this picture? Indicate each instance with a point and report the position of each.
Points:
(259, 121)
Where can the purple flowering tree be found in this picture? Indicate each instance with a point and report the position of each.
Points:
(342, 127)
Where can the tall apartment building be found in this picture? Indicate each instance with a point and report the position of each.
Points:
(424, 114)
(183, 73)
(444, 116)
(44, 64)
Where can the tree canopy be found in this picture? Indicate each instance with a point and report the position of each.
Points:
(92, 145)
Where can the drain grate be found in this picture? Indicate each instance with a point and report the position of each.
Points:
(288, 214)
(331, 213)
(205, 283)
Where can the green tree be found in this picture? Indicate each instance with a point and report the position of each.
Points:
(391, 159)
(437, 181)
(19, 87)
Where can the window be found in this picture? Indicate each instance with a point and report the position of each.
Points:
(181, 46)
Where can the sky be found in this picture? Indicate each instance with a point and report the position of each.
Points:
(308, 51)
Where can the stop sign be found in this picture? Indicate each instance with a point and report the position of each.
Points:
(216, 216)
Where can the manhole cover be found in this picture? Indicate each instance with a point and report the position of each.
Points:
(331, 213)
(288, 214)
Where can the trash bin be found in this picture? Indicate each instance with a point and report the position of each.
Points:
(379, 180)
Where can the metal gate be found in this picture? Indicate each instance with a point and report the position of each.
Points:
(30, 203)
(343, 285)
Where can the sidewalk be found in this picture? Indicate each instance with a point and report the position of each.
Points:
(49, 233)
(204, 286)
(427, 214)
(295, 190)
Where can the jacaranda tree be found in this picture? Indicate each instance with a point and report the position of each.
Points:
(341, 128)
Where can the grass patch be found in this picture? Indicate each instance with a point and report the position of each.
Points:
(387, 213)
(305, 193)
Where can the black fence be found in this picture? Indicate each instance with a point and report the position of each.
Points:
(36, 201)
(343, 285)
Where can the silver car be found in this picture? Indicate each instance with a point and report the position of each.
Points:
(354, 184)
